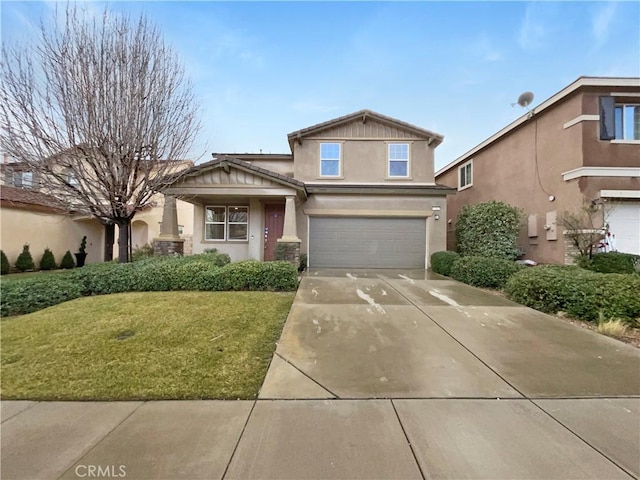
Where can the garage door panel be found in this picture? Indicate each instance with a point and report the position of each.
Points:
(355, 242)
(624, 224)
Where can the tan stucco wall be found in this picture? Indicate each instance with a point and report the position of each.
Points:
(46, 230)
(506, 171)
(284, 167)
(363, 161)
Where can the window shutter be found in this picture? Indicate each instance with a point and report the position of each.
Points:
(607, 119)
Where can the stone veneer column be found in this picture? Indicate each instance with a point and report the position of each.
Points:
(290, 232)
(169, 241)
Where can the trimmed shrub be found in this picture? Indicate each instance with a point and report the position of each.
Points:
(578, 292)
(48, 261)
(67, 261)
(441, 262)
(304, 259)
(615, 262)
(25, 260)
(254, 275)
(483, 271)
(489, 230)
(34, 293)
(6, 267)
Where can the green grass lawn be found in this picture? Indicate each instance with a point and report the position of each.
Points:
(153, 345)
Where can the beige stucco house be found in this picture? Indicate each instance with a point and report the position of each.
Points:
(30, 215)
(355, 192)
(579, 147)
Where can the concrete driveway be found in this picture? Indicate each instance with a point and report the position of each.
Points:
(378, 375)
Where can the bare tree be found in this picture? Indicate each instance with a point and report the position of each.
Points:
(580, 228)
(98, 106)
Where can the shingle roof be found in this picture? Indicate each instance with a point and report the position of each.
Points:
(24, 198)
(364, 114)
(223, 160)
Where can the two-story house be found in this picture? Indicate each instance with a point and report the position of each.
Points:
(356, 192)
(579, 147)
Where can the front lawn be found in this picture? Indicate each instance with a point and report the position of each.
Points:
(152, 345)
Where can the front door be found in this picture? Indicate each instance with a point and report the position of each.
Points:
(273, 225)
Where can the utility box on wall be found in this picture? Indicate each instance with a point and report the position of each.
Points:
(551, 226)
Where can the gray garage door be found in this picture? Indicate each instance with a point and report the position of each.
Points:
(355, 242)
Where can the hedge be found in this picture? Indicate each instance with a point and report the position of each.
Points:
(441, 262)
(580, 293)
(614, 262)
(484, 271)
(31, 294)
(208, 272)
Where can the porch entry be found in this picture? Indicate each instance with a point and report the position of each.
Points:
(273, 228)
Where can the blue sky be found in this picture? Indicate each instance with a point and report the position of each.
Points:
(262, 70)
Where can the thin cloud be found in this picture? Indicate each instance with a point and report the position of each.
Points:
(532, 31)
(602, 20)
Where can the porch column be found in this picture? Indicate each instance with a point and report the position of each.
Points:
(289, 244)
(169, 241)
(290, 230)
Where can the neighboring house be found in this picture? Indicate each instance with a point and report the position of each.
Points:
(357, 191)
(579, 147)
(29, 215)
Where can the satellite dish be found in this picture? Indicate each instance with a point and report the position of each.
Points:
(525, 99)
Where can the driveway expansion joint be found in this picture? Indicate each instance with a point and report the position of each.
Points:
(404, 432)
(307, 375)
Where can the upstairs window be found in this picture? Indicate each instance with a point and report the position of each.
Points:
(398, 160)
(627, 122)
(465, 175)
(226, 223)
(23, 179)
(330, 157)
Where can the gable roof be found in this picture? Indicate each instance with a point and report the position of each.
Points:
(364, 115)
(225, 161)
(581, 82)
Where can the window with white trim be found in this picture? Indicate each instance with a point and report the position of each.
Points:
(398, 160)
(22, 179)
(224, 223)
(330, 157)
(465, 175)
(627, 122)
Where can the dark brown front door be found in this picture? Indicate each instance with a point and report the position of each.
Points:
(273, 225)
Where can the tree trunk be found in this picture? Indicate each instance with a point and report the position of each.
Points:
(123, 239)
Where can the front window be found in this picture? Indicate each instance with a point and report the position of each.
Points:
(465, 175)
(226, 223)
(627, 122)
(398, 160)
(330, 159)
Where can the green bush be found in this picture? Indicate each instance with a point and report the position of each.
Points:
(441, 262)
(140, 253)
(48, 261)
(67, 261)
(6, 267)
(25, 260)
(254, 275)
(483, 271)
(304, 259)
(615, 262)
(489, 230)
(578, 292)
(35, 293)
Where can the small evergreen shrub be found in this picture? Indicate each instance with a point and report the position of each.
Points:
(27, 295)
(67, 261)
(255, 275)
(441, 262)
(484, 271)
(48, 261)
(615, 262)
(83, 245)
(580, 293)
(489, 230)
(304, 259)
(25, 260)
(6, 267)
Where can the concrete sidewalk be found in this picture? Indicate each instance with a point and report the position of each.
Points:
(377, 375)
